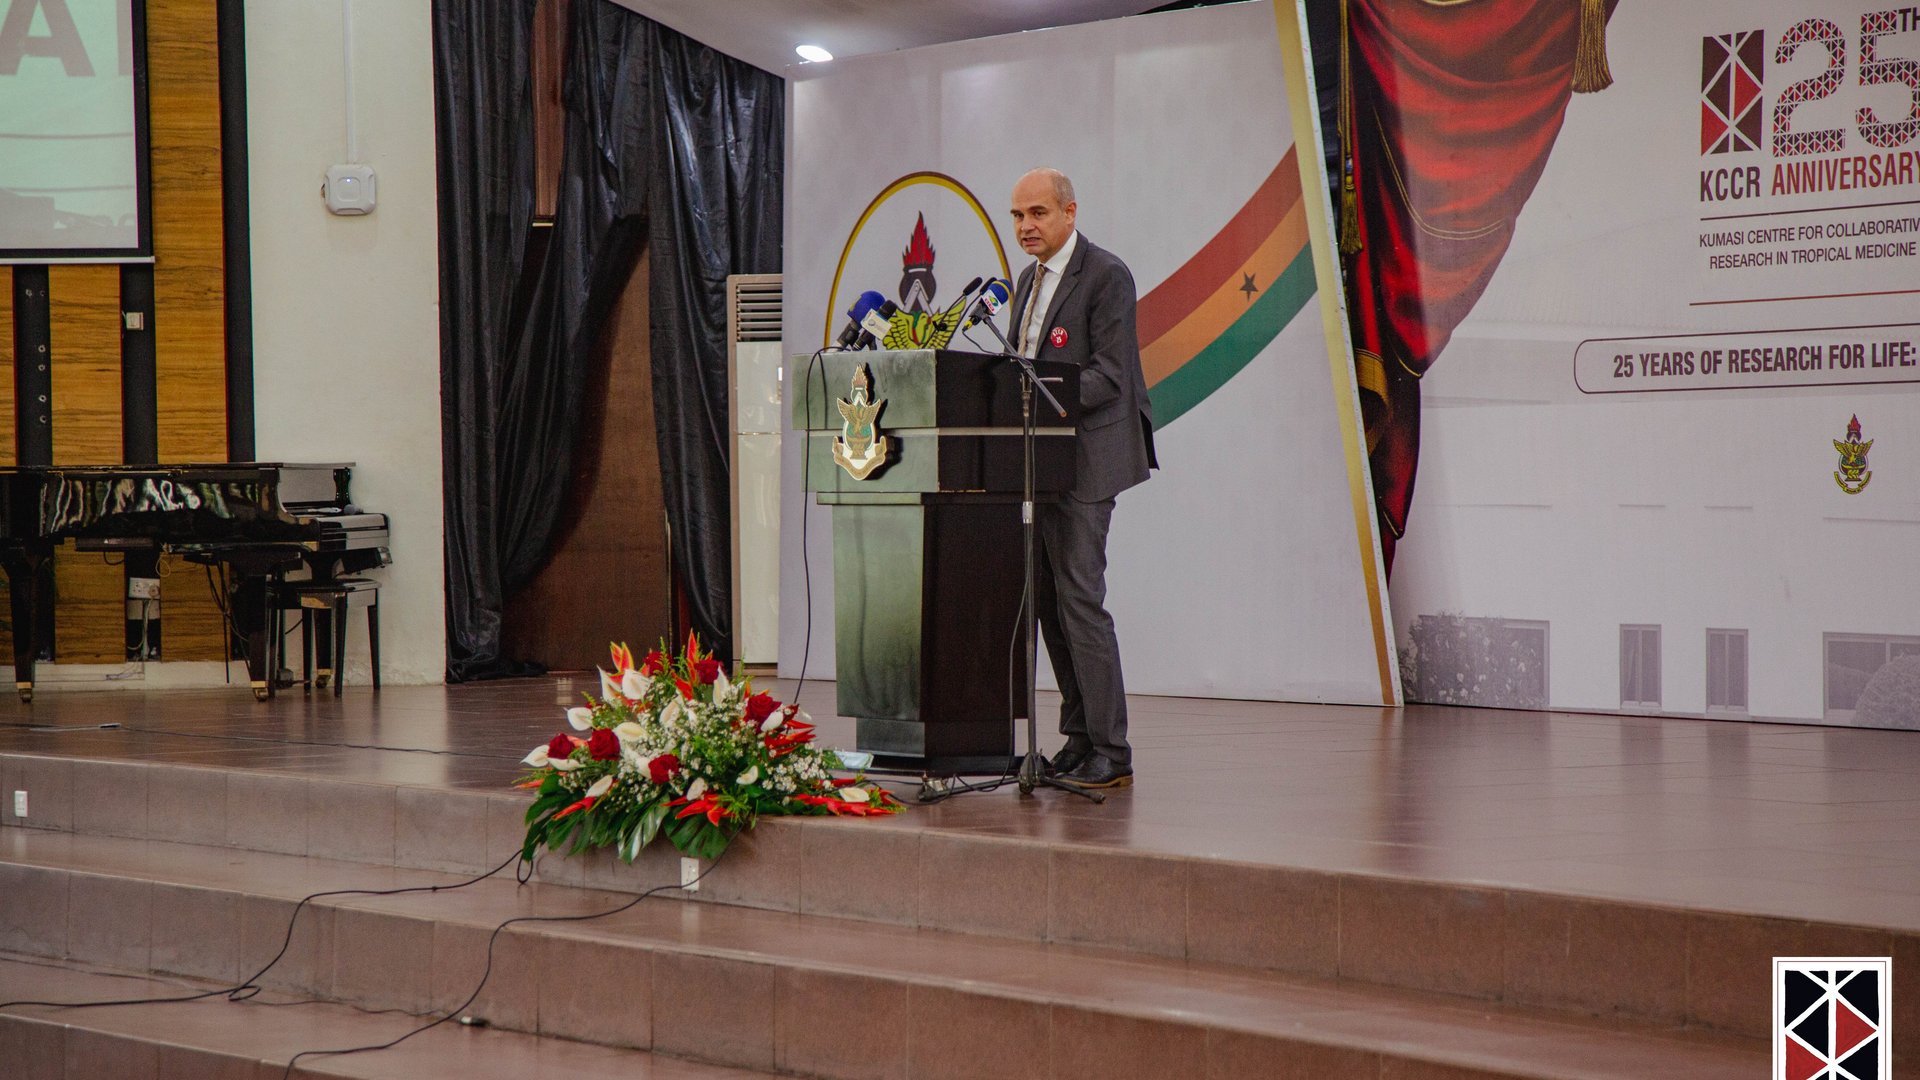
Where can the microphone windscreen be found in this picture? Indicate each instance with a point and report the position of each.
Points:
(866, 302)
(996, 294)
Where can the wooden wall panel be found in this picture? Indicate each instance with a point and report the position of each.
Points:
(190, 618)
(85, 308)
(90, 616)
(183, 80)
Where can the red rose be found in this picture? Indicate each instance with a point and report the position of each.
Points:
(653, 664)
(560, 747)
(760, 706)
(662, 768)
(603, 745)
(705, 671)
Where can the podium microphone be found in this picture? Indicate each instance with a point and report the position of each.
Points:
(875, 324)
(992, 298)
(863, 306)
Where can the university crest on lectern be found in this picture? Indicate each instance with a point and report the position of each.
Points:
(861, 448)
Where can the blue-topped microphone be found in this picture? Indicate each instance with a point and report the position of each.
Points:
(863, 306)
(992, 299)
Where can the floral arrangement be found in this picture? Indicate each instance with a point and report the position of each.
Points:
(674, 747)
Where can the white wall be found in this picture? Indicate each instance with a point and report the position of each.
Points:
(346, 309)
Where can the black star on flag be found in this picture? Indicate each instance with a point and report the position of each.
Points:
(1247, 286)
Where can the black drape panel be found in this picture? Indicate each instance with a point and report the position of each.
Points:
(483, 110)
(599, 226)
(668, 144)
(719, 134)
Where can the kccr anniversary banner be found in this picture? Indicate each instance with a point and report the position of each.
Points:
(1636, 292)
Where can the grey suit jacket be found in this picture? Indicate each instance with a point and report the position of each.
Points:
(1094, 306)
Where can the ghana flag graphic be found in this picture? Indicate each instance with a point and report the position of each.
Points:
(1214, 314)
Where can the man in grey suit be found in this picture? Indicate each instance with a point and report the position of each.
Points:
(1081, 310)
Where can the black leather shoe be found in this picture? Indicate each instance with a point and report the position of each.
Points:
(1098, 771)
(1067, 760)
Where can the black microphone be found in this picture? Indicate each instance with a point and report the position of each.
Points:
(856, 315)
(992, 298)
(966, 292)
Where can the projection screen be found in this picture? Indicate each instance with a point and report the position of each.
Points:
(73, 138)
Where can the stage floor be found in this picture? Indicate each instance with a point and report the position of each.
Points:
(1806, 822)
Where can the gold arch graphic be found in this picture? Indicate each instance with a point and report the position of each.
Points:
(911, 179)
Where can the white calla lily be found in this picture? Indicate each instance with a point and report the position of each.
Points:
(629, 732)
(580, 717)
(537, 759)
(609, 687)
(562, 764)
(854, 794)
(773, 720)
(697, 788)
(637, 761)
(721, 687)
(600, 787)
(750, 776)
(670, 715)
(633, 685)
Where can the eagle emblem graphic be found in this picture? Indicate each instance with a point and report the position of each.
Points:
(1853, 474)
(861, 448)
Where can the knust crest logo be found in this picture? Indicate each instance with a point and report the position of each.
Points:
(861, 448)
(1732, 67)
(1853, 474)
(1830, 1017)
(917, 220)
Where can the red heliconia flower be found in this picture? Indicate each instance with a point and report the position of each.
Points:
(603, 745)
(693, 646)
(622, 658)
(760, 706)
(654, 664)
(841, 807)
(686, 690)
(705, 805)
(561, 746)
(704, 671)
(583, 804)
(661, 769)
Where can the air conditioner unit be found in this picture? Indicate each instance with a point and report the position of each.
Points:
(756, 421)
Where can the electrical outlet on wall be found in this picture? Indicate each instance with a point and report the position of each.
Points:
(19, 804)
(143, 588)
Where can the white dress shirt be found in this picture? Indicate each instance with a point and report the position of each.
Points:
(1031, 330)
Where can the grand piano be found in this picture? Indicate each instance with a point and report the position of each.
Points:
(255, 521)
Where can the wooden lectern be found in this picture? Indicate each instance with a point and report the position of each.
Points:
(919, 452)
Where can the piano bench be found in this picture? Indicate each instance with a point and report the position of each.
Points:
(325, 604)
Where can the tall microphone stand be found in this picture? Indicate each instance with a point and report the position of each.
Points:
(1032, 772)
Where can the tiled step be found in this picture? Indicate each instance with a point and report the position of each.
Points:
(1579, 954)
(221, 1040)
(793, 993)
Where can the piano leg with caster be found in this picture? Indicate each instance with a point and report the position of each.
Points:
(24, 579)
(250, 618)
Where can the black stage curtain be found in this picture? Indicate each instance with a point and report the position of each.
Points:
(667, 143)
(483, 110)
(716, 180)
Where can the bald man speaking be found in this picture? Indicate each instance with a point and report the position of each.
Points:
(1076, 303)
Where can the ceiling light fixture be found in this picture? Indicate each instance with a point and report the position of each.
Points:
(813, 54)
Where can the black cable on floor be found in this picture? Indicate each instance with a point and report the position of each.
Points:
(487, 971)
(249, 987)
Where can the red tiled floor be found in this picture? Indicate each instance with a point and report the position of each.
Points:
(1816, 823)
